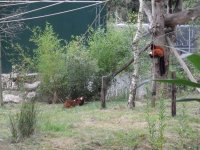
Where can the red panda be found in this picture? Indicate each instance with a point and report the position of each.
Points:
(80, 100)
(158, 52)
(72, 103)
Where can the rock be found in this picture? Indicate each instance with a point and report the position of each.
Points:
(12, 98)
(32, 86)
(31, 95)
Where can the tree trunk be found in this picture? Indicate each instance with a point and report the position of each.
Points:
(55, 97)
(158, 22)
(159, 39)
(173, 89)
(134, 80)
(1, 90)
(104, 88)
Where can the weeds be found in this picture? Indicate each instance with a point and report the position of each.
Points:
(27, 119)
(156, 125)
(184, 130)
(161, 122)
(13, 128)
(24, 123)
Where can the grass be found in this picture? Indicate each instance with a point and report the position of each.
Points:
(90, 128)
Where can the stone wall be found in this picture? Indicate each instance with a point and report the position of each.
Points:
(17, 88)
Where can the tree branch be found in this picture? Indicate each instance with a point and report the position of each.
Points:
(148, 12)
(182, 17)
(128, 63)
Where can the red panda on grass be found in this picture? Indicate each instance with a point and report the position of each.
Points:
(72, 103)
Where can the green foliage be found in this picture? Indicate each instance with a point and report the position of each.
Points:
(24, 62)
(48, 58)
(75, 68)
(185, 131)
(156, 125)
(27, 119)
(183, 127)
(195, 59)
(24, 123)
(133, 16)
(13, 128)
(81, 69)
(116, 128)
(110, 48)
(151, 120)
(162, 124)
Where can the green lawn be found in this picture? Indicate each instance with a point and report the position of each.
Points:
(115, 128)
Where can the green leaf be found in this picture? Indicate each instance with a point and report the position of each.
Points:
(180, 82)
(188, 99)
(195, 60)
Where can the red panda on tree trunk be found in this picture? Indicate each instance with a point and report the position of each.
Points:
(158, 52)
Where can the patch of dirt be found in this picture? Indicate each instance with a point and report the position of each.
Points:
(63, 143)
(115, 124)
(4, 145)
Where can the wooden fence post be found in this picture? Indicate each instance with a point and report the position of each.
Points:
(104, 87)
(173, 89)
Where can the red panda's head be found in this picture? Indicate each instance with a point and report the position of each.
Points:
(151, 54)
(80, 100)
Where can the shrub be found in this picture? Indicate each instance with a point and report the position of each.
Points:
(110, 48)
(13, 128)
(49, 60)
(27, 119)
(156, 125)
(23, 124)
(82, 69)
(74, 69)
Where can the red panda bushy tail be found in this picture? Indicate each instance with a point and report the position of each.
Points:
(162, 65)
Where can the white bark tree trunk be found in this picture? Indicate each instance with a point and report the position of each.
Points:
(134, 79)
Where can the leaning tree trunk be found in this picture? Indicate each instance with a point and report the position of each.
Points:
(134, 79)
(1, 90)
(159, 39)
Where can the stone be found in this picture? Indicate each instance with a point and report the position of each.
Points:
(12, 98)
(31, 95)
(32, 86)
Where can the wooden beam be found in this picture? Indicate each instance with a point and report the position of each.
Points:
(173, 89)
